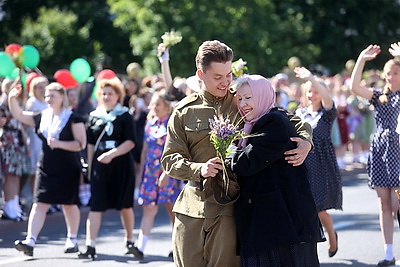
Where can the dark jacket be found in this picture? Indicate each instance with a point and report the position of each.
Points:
(275, 207)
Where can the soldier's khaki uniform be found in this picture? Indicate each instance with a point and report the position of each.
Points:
(204, 230)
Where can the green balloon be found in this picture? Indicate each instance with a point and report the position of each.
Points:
(30, 56)
(6, 64)
(95, 88)
(80, 70)
(24, 80)
(14, 74)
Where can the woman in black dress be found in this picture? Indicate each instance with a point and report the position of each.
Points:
(276, 218)
(111, 135)
(63, 136)
(323, 170)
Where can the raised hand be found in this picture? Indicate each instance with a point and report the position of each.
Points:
(394, 49)
(162, 52)
(302, 73)
(370, 52)
(16, 91)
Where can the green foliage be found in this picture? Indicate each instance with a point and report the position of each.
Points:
(265, 33)
(53, 33)
(252, 28)
(63, 30)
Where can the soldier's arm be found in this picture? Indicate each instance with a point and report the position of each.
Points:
(176, 158)
(304, 144)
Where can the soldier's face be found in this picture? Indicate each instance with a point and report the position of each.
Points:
(217, 78)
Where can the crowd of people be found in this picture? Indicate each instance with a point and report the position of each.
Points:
(146, 142)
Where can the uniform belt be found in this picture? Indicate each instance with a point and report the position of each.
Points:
(107, 145)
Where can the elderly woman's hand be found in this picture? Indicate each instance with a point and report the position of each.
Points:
(297, 156)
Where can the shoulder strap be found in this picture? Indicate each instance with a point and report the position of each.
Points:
(99, 139)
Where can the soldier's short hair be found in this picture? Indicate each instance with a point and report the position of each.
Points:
(212, 51)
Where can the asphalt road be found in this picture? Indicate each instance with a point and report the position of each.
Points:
(360, 241)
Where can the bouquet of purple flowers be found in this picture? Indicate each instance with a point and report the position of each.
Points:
(222, 135)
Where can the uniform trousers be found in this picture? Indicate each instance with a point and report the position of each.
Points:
(201, 242)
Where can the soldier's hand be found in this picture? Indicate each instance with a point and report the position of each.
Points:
(297, 156)
(211, 167)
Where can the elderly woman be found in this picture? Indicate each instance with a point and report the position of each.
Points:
(63, 136)
(111, 135)
(276, 218)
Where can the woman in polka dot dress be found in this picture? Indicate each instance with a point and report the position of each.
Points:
(323, 170)
(383, 163)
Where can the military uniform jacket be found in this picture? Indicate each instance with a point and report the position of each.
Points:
(188, 147)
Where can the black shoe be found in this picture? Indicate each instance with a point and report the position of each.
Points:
(387, 263)
(90, 253)
(4, 216)
(73, 249)
(333, 253)
(28, 250)
(132, 249)
(171, 254)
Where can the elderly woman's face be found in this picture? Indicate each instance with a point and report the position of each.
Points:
(109, 97)
(246, 102)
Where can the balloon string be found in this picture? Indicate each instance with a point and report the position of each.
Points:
(38, 71)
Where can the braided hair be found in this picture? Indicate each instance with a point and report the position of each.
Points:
(383, 99)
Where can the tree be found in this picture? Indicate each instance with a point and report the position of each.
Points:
(341, 29)
(252, 28)
(52, 33)
(63, 30)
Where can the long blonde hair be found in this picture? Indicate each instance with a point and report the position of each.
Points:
(60, 89)
(383, 99)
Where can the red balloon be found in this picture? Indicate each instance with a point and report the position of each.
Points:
(13, 49)
(29, 79)
(105, 74)
(65, 78)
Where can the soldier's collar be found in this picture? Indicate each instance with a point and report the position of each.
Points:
(211, 98)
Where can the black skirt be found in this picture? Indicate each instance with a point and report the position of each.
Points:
(295, 255)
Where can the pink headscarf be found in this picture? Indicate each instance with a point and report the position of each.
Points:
(264, 98)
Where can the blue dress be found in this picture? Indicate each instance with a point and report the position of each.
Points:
(150, 193)
(383, 162)
(323, 170)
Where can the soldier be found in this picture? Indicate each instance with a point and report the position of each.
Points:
(204, 230)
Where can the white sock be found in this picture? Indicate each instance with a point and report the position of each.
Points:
(91, 243)
(17, 206)
(388, 252)
(142, 241)
(136, 194)
(9, 209)
(340, 162)
(366, 154)
(30, 240)
(71, 241)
